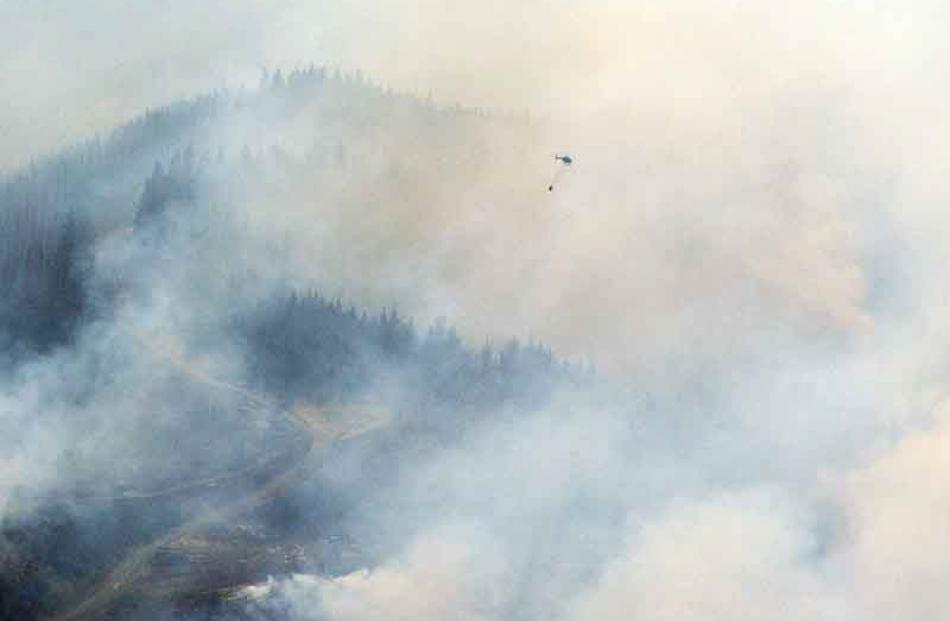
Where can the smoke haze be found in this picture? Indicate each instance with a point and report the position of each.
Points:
(750, 247)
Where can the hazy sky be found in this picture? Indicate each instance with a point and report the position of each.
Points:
(73, 67)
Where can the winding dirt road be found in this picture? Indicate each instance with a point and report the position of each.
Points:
(133, 570)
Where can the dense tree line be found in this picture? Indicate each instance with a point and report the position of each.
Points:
(305, 346)
(41, 265)
(53, 211)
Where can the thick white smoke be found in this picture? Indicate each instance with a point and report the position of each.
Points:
(751, 243)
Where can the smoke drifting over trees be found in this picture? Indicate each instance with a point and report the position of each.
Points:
(321, 349)
(160, 353)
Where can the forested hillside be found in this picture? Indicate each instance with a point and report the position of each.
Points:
(296, 130)
(169, 350)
